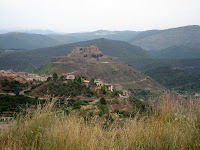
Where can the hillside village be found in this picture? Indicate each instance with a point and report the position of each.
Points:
(24, 77)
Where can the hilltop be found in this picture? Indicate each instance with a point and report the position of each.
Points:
(90, 62)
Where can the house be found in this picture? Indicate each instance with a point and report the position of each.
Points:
(20, 79)
(86, 82)
(109, 86)
(70, 77)
(29, 79)
(125, 93)
(99, 82)
(9, 75)
(94, 89)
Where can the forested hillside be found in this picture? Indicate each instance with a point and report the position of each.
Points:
(176, 79)
(161, 39)
(26, 41)
(185, 51)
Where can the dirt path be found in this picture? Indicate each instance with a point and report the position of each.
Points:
(135, 81)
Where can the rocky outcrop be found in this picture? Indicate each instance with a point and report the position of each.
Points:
(90, 54)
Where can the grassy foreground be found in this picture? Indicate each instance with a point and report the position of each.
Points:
(172, 124)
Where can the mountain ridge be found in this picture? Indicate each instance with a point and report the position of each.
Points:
(161, 39)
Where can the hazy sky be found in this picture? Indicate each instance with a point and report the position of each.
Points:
(90, 15)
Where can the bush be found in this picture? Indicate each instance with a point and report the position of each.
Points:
(77, 104)
(103, 110)
(103, 101)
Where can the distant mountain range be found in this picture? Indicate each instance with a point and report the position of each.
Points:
(149, 40)
(35, 31)
(17, 40)
(161, 39)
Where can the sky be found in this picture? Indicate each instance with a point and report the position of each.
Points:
(89, 15)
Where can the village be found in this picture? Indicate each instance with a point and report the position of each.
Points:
(24, 77)
(100, 83)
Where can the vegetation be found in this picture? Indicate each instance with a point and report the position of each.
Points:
(184, 51)
(103, 101)
(15, 103)
(26, 41)
(142, 94)
(161, 39)
(57, 87)
(12, 86)
(170, 125)
(176, 79)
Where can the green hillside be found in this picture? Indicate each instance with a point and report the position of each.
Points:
(65, 39)
(176, 79)
(161, 39)
(191, 50)
(26, 41)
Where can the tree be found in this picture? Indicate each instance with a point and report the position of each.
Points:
(92, 81)
(103, 101)
(62, 78)
(55, 77)
(49, 79)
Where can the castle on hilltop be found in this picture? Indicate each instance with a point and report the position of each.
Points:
(90, 54)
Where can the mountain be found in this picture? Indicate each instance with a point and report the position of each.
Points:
(34, 39)
(90, 62)
(77, 37)
(34, 31)
(113, 35)
(190, 50)
(161, 39)
(32, 59)
(25, 41)
(65, 39)
(176, 79)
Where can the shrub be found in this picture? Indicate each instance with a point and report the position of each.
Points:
(103, 101)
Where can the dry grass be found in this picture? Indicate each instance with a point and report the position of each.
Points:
(172, 125)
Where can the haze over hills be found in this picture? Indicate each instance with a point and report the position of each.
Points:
(25, 41)
(149, 40)
(38, 57)
(33, 39)
(113, 35)
(161, 39)
(33, 31)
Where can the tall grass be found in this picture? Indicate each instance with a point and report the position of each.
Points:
(173, 124)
